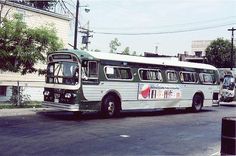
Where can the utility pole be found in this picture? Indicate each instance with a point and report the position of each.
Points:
(85, 38)
(232, 47)
(76, 24)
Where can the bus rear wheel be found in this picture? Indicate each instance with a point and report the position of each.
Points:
(110, 107)
(197, 103)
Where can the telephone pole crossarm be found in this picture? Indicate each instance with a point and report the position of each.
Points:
(86, 36)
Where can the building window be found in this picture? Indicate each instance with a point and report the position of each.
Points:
(3, 90)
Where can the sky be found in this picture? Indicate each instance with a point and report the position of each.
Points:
(169, 25)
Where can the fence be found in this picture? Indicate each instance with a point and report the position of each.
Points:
(21, 91)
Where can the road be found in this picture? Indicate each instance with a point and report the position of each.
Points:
(141, 133)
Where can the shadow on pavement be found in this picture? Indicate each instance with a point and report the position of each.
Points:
(228, 105)
(64, 115)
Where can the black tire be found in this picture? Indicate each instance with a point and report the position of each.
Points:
(197, 103)
(110, 107)
(228, 136)
(77, 114)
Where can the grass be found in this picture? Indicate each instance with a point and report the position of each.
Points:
(31, 104)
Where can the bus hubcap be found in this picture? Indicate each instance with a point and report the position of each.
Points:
(198, 103)
(111, 107)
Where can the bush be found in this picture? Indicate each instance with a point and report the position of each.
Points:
(24, 99)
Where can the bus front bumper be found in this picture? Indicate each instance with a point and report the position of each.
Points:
(61, 106)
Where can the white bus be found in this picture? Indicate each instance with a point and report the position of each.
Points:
(82, 81)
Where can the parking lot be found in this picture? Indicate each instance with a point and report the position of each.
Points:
(177, 132)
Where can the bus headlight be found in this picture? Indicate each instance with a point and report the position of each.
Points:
(68, 95)
(46, 93)
(230, 94)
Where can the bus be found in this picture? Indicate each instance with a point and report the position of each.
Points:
(84, 81)
(228, 90)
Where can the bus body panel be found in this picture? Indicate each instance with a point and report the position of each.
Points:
(127, 90)
(129, 95)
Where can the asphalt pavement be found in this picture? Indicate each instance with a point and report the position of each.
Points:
(43, 132)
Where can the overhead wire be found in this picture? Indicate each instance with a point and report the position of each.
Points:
(164, 32)
(173, 25)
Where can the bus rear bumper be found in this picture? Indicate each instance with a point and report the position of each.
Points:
(61, 106)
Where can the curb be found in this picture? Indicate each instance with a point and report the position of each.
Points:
(20, 111)
(233, 103)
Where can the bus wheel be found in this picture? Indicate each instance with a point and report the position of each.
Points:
(197, 103)
(110, 107)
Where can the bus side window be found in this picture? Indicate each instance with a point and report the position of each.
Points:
(118, 73)
(150, 75)
(207, 78)
(93, 69)
(90, 71)
(171, 76)
(188, 77)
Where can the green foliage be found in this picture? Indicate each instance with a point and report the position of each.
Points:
(97, 50)
(134, 53)
(23, 98)
(22, 47)
(126, 51)
(218, 53)
(9, 105)
(113, 45)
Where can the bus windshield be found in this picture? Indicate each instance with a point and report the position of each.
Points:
(229, 83)
(63, 73)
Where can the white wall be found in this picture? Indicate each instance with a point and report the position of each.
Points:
(36, 93)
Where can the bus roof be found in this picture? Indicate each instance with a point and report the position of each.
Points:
(138, 59)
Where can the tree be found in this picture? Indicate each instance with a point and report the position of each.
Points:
(218, 53)
(58, 6)
(126, 51)
(22, 47)
(97, 50)
(134, 53)
(45, 5)
(113, 45)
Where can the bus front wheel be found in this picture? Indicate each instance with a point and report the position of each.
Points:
(110, 107)
(197, 103)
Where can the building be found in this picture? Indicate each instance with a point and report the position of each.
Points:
(165, 57)
(199, 47)
(32, 83)
(197, 57)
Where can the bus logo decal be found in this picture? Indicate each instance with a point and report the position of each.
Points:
(158, 91)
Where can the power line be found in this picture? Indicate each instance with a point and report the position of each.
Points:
(174, 25)
(163, 32)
